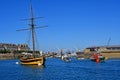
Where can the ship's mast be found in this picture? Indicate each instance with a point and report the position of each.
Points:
(108, 42)
(32, 28)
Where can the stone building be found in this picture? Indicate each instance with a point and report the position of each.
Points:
(115, 48)
(13, 47)
(107, 51)
(23, 47)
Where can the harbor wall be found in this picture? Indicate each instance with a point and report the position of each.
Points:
(9, 56)
(111, 55)
(17, 56)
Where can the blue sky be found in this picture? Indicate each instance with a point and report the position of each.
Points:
(71, 23)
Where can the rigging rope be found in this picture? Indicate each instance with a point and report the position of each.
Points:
(37, 42)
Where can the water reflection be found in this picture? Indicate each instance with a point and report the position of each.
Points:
(34, 66)
(32, 72)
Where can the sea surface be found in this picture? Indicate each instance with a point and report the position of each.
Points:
(56, 69)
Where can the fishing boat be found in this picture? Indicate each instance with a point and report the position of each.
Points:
(27, 58)
(97, 57)
(66, 58)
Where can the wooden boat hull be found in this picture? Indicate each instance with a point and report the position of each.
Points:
(33, 61)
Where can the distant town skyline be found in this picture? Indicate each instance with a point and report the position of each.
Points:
(13, 47)
(72, 24)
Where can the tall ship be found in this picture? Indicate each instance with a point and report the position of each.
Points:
(32, 58)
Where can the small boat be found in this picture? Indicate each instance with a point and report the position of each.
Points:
(97, 57)
(32, 59)
(66, 58)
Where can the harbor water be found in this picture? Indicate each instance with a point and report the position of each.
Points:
(56, 69)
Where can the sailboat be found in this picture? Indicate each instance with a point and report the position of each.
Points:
(32, 59)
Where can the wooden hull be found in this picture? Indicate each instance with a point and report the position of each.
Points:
(33, 61)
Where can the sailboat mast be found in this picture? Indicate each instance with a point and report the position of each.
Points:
(33, 28)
